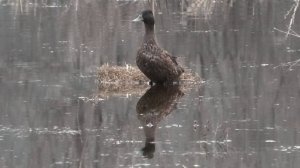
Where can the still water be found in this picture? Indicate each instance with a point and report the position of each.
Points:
(246, 113)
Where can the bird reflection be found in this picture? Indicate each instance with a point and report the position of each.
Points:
(153, 106)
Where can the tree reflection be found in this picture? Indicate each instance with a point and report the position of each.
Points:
(153, 106)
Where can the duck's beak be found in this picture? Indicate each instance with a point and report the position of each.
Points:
(139, 18)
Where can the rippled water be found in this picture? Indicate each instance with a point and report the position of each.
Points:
(246, 113)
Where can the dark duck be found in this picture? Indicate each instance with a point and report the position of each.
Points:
(156, 63)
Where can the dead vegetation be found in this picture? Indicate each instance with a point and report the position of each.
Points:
(129, 80)
(120, 75)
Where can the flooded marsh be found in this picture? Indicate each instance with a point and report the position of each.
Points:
(245, 112)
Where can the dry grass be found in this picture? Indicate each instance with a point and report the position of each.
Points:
(120, 80)
(110, 74)
(128, 80)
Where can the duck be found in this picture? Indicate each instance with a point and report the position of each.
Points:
(153, 61)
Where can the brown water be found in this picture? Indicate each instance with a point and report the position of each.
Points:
(245, 114)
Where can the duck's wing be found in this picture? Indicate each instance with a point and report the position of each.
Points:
(165, 55)
(159, 56)
(173, 58)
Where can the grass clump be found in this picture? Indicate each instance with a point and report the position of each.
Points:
(121, 80)
(120, 75)
(128, 79)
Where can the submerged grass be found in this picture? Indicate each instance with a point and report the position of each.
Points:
(128, 79)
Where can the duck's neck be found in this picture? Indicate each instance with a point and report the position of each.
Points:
(149, 36)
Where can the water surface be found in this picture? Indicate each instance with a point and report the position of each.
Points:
(245, 114)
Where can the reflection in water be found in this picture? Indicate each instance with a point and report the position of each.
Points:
(153, 106)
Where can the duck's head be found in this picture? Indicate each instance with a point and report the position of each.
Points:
(146, 16)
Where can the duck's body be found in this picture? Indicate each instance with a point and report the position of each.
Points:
(157, 64)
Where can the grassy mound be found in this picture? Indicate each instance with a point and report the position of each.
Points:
(124, 80)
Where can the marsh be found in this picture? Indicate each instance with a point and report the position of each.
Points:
(244, 113)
